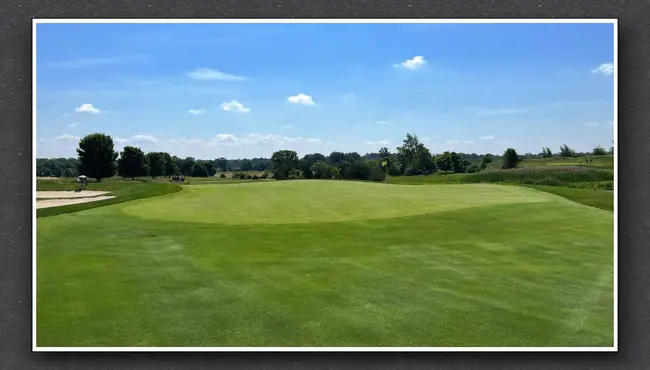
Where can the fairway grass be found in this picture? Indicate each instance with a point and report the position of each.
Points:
(308, 201)
(326, 263)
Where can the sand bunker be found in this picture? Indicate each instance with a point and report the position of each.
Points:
(45, 199)
(69, 194)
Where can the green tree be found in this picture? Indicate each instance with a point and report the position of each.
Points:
(132, 163)
(445, 162)
(283, 163)
(222, 164)
(565, 151)
(171, 168)
(199, 170)
(510, 158)
(599, 150)
(186, 166)
(485, 162)
(246, 165)
(305, 164)
(96, 154)
(322, 170)
(547, 153)
(156, 161)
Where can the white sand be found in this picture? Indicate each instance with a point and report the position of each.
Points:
(46, 203)
(69, 194)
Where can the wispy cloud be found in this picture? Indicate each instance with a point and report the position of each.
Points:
(380, 142)
(287, 126)
(207, 74)
(301, 99)
(73, 124)
(96, 62)
(234, 106)
(487, 137)
(196, 111)
(412, 64)
(139, 138)
(501, 112)
(87, 108)
(383, 122)
(64, 137)
(606, 69)
(259, 139)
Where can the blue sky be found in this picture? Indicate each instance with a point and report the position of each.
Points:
(246, 90)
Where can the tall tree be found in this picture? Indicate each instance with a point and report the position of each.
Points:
(132, 163)
(171, 168)
(186, 166)
(284, 162)
(199, 170)
(510, 158)
(599, 150)
(222, 164)
(487, 159)
(97, 155)
(565, 151)
(156, 161)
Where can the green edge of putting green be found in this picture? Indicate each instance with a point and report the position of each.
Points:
(310, 201)
(507, 274)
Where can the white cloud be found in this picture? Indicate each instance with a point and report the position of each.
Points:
(487, 137)
(591, 124)
(196, 111)
(380, 142)
(186, 141)
(234, 106)
(259, 139)
(96, 62)
(383, 122)
(469, 142)
(500, 112)
(605, 69)
(301, 99)
(452, 142)
(287, 126)
(414, 63)
(64, 137)
(121, 140)
(140, 138)
(87, 108)
(207, 74)
(145, 138)
(73, 124)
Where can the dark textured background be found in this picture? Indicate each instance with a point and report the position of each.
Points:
(15, 181)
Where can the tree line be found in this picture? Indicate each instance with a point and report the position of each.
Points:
(97, 158)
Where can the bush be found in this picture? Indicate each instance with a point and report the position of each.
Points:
(223, 175)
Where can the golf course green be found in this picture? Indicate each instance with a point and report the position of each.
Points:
(328, 263)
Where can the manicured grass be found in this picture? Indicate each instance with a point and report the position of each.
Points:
(239, 265)
(123, 190)
(592, 187)
(603, 199)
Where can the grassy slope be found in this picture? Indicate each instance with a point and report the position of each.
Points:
(321, 201)
(525, 274)
(123, 190)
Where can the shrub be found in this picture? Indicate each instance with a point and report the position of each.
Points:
(223, 175)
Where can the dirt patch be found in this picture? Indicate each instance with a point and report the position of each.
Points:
(53, 202)
(69, 194)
